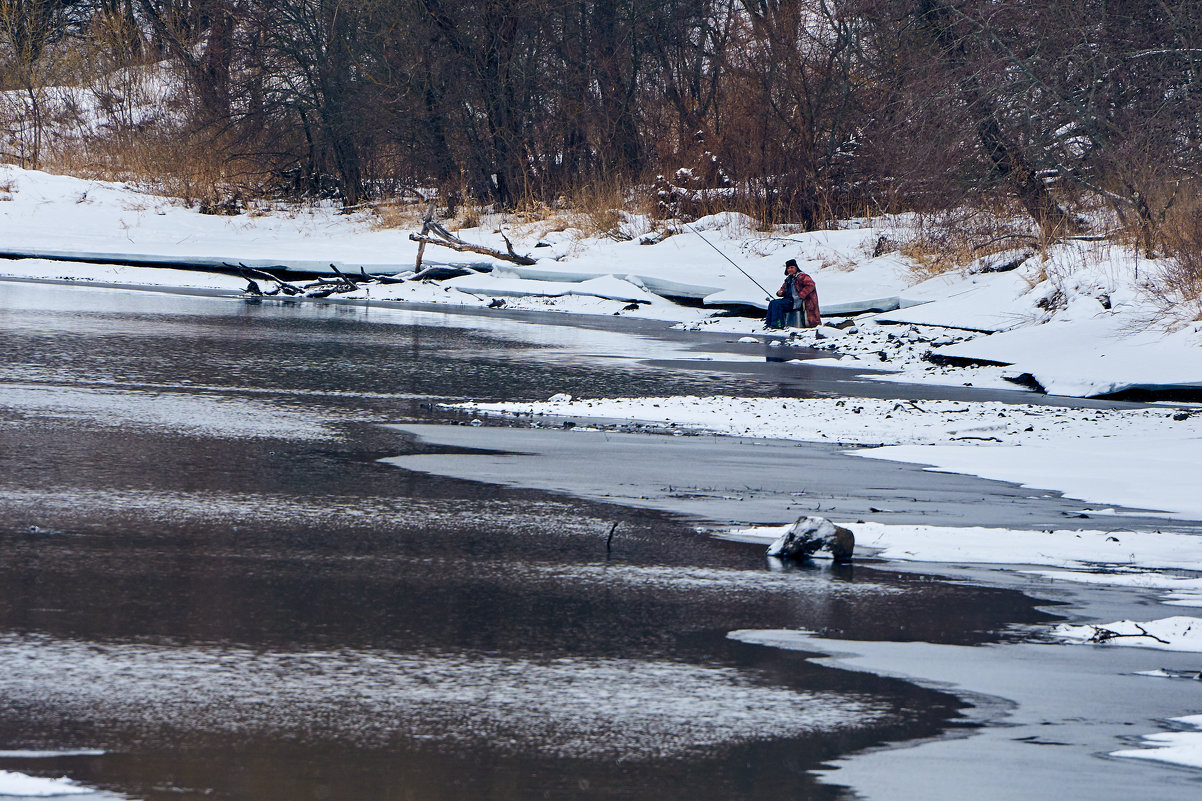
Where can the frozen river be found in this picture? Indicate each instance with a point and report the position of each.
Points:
(211, 585)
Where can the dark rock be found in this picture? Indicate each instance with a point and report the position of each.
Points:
(811, 534)
(883, 245)
(841, 544)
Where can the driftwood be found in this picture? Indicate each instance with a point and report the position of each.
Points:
(324, 287)
(441, 273)
(1101, 634)
(421, 248)
(321, 288)
(434, 234)
(250, 273)
(368, 278)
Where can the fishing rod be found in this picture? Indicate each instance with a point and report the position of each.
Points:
(728, 258)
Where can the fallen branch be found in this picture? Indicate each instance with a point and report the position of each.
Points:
(434, 234)
(441, 272)
(323, 287)
(345, 278)
(1101, 634)
(380, 279)
(250, 273)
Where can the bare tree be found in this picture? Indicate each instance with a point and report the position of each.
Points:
(29, 30)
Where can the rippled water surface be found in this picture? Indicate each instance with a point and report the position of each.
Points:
(210, 586)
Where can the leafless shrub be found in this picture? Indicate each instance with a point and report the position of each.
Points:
(952, 240)
(1176, 286)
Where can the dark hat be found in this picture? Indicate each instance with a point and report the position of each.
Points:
(791, 263)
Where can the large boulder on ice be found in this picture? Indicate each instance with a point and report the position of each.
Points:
(811, 534)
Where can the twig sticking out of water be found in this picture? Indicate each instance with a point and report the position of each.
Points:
(610, 537)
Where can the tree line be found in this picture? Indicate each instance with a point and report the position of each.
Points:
(805, 111)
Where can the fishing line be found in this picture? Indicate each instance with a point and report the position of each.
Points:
(728, 258)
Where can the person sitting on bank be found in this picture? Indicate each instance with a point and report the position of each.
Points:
(797, 292)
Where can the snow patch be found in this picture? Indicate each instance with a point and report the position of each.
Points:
(1176, 748)
(19, 785)
(1178, 633)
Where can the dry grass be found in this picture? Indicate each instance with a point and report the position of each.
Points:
(176, 164)
(1177, 284)
(393, 213)
(603, 209)
(952, 240)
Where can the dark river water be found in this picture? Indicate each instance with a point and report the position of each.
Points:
(211, 587)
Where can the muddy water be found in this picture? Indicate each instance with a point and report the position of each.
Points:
(210, 586)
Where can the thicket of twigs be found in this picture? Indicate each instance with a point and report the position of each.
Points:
(1079, 117)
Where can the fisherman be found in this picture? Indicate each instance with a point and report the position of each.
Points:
(797, 292)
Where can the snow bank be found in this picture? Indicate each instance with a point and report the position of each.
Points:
(1176, 748)
(1177, 590)
(1141, 469)
(1097, 354)
(501, 283)
(29, 754)
(19, 785)
(1168, 634)
(48, 269)
(1063, 548)
(60, 216)
(989, 302)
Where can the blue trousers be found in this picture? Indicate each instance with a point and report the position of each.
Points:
(777, 309)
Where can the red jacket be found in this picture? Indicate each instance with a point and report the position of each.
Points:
(805, 296)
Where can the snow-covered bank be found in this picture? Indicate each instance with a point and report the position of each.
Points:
(1077, 319)
(1079, 550)
(1175, 747)
(1177, 633)
(1141, 458)
(19, 785)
